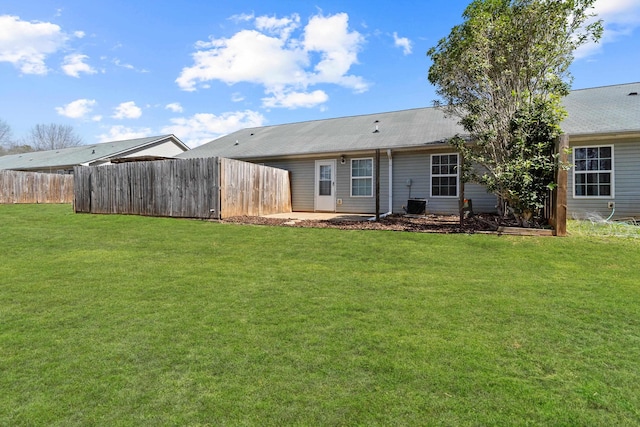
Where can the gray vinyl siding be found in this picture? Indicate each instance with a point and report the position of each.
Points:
(416, 166)
(483, 202)
(626, 178)
(303, 184)
(362, 204)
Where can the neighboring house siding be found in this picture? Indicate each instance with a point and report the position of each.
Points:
(165, 149)
(626, 178)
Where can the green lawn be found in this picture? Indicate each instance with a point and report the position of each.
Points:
(124, 320)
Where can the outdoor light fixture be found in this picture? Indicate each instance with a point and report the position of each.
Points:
(342, 160)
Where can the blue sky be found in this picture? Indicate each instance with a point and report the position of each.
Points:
(201, 69)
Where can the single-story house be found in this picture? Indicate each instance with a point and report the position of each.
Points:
(332, 162)
(63, 160)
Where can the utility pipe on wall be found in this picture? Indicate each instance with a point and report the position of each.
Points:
(390, 209)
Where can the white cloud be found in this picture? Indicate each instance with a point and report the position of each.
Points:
(202, 128)
(237, 97)
(118, 133)
(27, 44)
(323, 52)
(121, 64)
(77, 109)
(127, 110)
(248, 56)
(74, 65)
(242, 17)
(79, 34)
(175, 107)
(295, 99)
(281, 27)
(338, 48)
(620, 18)
(403, 42)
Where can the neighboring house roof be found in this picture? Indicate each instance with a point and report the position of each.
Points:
(83, 154)
(591, 111)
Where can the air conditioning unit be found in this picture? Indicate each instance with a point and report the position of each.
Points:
(417, 206)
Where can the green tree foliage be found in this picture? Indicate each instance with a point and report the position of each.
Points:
(503, 73)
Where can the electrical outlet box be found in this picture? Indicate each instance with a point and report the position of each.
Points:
(611, 205)
(339, 201)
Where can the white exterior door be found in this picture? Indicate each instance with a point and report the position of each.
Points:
(325, 199)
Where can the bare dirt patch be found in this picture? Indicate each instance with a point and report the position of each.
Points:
(424, 224)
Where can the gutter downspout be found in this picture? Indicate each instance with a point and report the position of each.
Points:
(390, 182)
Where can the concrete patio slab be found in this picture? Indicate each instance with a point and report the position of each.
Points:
(321, 216)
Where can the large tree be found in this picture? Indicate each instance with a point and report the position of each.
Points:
(52, 137)
(503, 73)
(5, 134)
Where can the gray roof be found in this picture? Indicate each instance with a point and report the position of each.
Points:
(83, 154)
(591, 111)
(399, 129)
(602, 110)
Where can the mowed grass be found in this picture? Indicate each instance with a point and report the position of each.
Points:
(125, 320)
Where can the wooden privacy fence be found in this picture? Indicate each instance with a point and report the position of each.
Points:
(188, 188)
(250, 189)
(35, 187)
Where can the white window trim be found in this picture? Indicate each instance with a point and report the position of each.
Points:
(612, 171)
(457, 175)
(360, 177)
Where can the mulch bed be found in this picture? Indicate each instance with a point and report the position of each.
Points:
(424, 224)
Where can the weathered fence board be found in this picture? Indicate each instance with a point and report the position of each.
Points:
(187, 188)
(174, 188)
(35, 187)
(250, 189)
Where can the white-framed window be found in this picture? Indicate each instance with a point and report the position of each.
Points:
(444, 175)
(593, 171)
(362, 177)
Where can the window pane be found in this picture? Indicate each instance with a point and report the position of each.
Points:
(324, 188)
(361, 187)
(325, 172)
(605, 190)
(362, 167)
(605, 178)
(580, 153)
(592, 190)
(605, 152)
(580, 178)
(592, 153)
(581, 165)
(605, 164)
(592, 178)
(592, 165)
